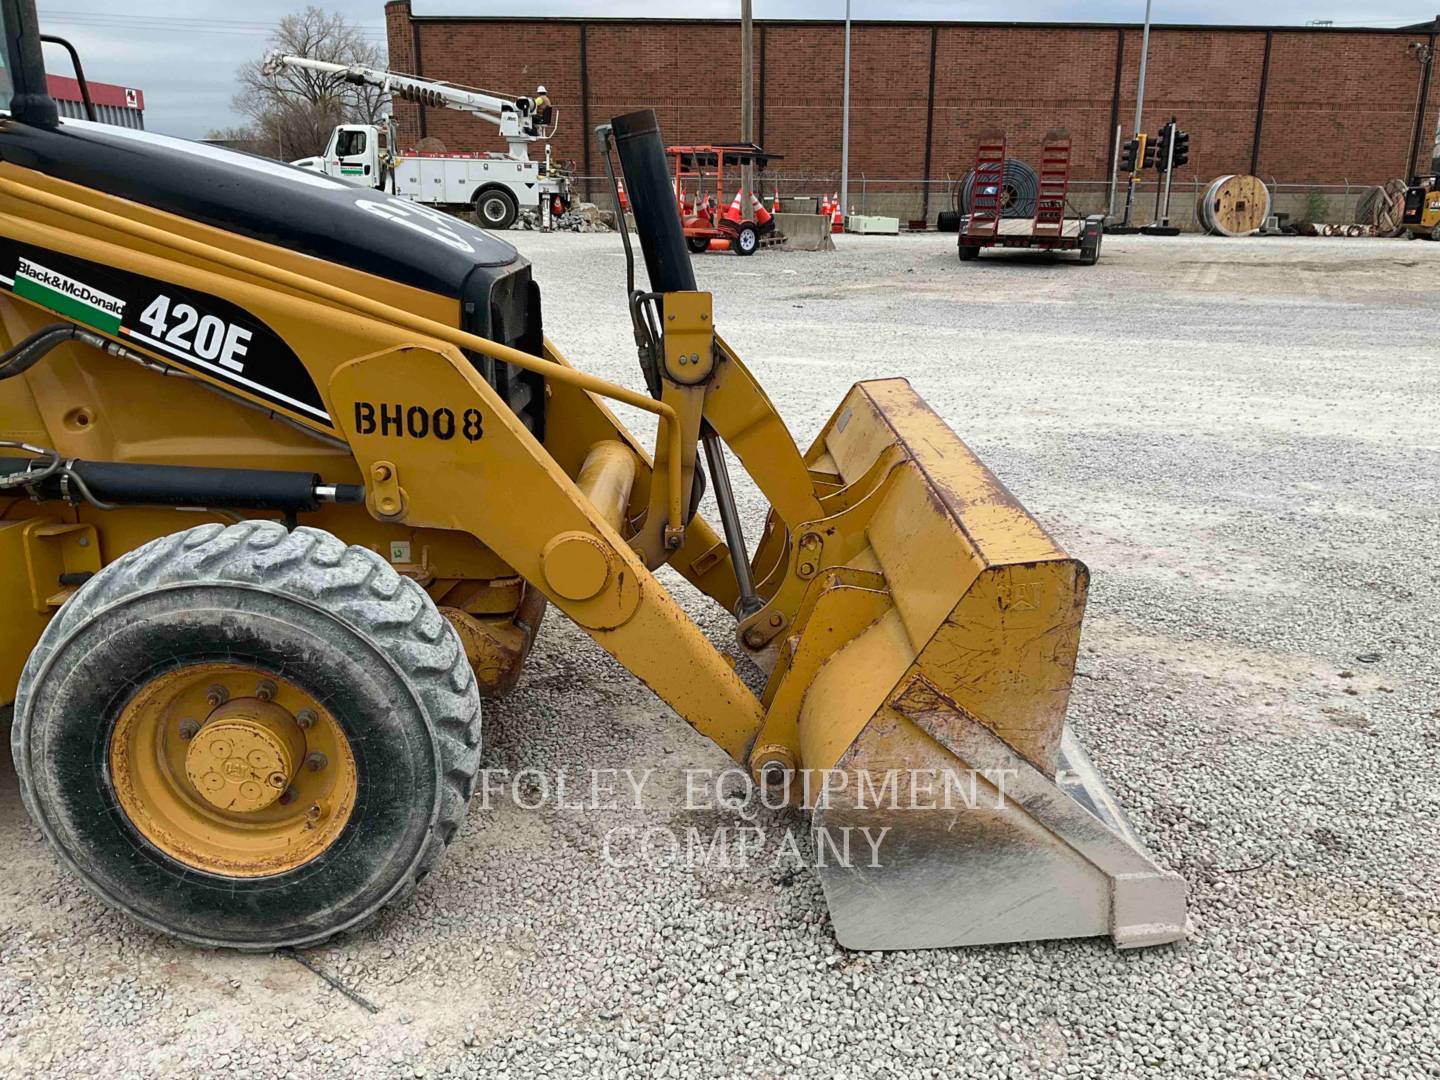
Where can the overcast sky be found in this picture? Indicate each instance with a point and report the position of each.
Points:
(184, 55)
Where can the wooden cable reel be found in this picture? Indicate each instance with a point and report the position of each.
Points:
(1233, 205)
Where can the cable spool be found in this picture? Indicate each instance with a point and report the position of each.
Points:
(1382, 208)
(1019, 190)
(1233, 205)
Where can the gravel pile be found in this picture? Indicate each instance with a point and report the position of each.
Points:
(1238, 437)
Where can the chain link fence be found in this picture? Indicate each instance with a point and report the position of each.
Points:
(914, 201)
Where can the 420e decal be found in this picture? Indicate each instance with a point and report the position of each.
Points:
(181, 326)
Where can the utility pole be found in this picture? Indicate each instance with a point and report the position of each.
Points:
(747, 93)
(845, 126)
(1139, 116)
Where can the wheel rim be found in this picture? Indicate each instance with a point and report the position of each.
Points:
(747, 240)
(232, 771)
(494, 210)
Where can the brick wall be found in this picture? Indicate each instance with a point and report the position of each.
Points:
(1339, 105)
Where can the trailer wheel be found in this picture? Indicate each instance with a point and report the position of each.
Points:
(747, 240)
(1090, 253)
(969, 252)
(248, 737)
(698, 244)
(496, 208)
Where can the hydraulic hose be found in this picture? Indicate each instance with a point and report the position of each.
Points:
(20, 358)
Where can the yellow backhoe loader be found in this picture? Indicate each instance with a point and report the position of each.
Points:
(291, 471)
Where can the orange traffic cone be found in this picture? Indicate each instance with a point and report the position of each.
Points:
(733, 214)
(837, 220)
(775, 204)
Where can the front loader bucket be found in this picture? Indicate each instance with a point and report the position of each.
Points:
(927, 672)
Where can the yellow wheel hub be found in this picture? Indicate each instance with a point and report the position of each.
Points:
(232, 771)
(245, 755)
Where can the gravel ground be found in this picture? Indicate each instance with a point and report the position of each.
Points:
(1240, 439)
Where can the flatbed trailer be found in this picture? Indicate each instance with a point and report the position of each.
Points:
(1082, 235)
(1049, 230)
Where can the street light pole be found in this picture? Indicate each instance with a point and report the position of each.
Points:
(845, 126)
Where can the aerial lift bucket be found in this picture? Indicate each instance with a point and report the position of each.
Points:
(951, 803)
(919, 629)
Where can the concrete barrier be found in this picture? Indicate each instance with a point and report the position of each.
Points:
(799, 204)
(805, 232)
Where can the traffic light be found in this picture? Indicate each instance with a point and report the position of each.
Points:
(1130, 153)
(1147, 150)
(1162, 147)
(1182, 148)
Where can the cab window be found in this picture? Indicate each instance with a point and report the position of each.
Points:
(350, 143)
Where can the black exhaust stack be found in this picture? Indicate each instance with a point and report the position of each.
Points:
(648, 183)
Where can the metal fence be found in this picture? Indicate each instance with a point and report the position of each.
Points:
(914, 200)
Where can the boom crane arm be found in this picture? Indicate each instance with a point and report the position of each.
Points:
(516, 118)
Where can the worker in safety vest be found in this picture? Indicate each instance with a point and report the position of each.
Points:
(542, 106)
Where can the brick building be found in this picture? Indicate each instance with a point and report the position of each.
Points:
(1302, 105)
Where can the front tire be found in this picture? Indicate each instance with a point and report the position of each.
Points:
(698, 245)
(185, 690)
(747, 240)
(496, 208)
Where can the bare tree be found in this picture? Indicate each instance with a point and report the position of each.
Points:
(292, 111)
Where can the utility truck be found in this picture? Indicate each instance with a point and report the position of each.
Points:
(496, 186)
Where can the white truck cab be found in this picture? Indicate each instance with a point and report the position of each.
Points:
(357, 152)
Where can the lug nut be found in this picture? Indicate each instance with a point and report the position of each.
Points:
(189, 729)
(306, 719)
(217, 695)
(315, 761)
(266, 691)
(286, 797)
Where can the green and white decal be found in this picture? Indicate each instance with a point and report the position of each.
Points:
(68, 297)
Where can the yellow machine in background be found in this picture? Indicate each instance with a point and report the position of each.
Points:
(289, 472)
(1422, 207)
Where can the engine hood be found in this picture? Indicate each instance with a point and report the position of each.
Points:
(267, 200)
